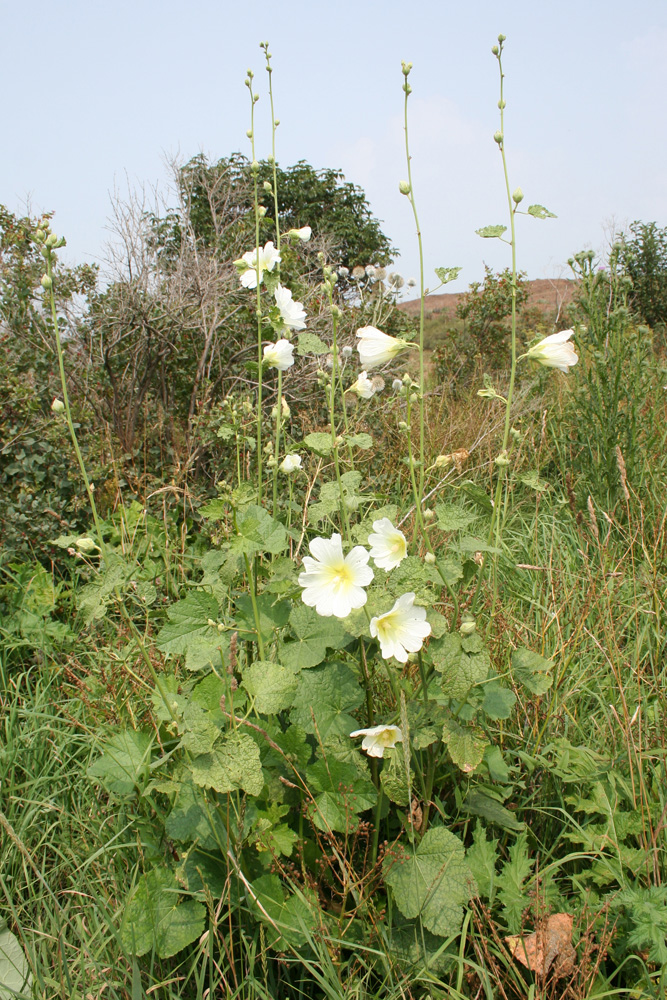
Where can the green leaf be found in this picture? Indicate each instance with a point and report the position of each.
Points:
(432, 883)
(394, 779)
(189, 619)
(480, 804)
(295, 917)
(534, 482)
(324, 700)
(478, 495)
(481, 858)
(314, 636)
(466, 745)
(447, 274)
(471, 544)
(413, 947)
(452, 517)
(310, 343)
(192, 820)
(199, 731)
(494, 760)
(125, 763)
(540, 212)
(155, 919)
(342, 792)
(318, 442)
(498, 701)
(272, 686)
(273, 614)
(511, 884)
(330, 496)
(15, 974)
(531, 670)
(215, 510)
(460, 670)
(489, 232)
(363, 441)
(233, 763)
(259, 532)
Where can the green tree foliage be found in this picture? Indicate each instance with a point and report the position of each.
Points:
(38, 485)
(643, 256)
(334, 208)
(484, 328)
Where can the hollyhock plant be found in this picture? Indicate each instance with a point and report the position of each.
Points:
(377, 739)
(292, 313)
(279, 355)
(401, 630)
(333, 583)
(388, 545)
(376, 348)
(268, 258)
(554, 351)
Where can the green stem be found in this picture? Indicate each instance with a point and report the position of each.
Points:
(408, 90)
(254, 167)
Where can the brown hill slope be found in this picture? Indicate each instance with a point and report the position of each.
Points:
(546, 294)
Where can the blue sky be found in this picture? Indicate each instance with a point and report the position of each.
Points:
(98, 96)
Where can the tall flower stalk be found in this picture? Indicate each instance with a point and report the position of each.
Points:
(407, 189)
(254, 168)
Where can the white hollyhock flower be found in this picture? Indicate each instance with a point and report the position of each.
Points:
(279, 355)
(293, 314)
(290, 463)
(388, 545)
(303, 234)
(377, 739)
(555, 351)
(375, 348)
(364, 387)
(333, 583)
(401, 630)
(268, 258)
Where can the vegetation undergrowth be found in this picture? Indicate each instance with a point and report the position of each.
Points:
(468, 577)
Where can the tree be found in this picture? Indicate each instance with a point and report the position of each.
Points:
(334, 208)
(643, 256)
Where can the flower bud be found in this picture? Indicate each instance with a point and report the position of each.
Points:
(254, 166)
(428, 514)
(57, 406)
(429, 558)
(468, 625)
(51, 240)
(502, 460)
(495, 50)
(404, 187)
(267, 187)
(402, 426)
(502, 38)
(46, 282)
(414, 398)
(39, 235)
(517, 197)
(212, 623)
(249, 133)
(271, 463)
(85, 544)
(271, 159)
(498, 137)
(287, 413)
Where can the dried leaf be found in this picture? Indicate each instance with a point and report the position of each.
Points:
(550, 943)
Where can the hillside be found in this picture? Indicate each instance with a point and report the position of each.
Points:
(546, 294)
